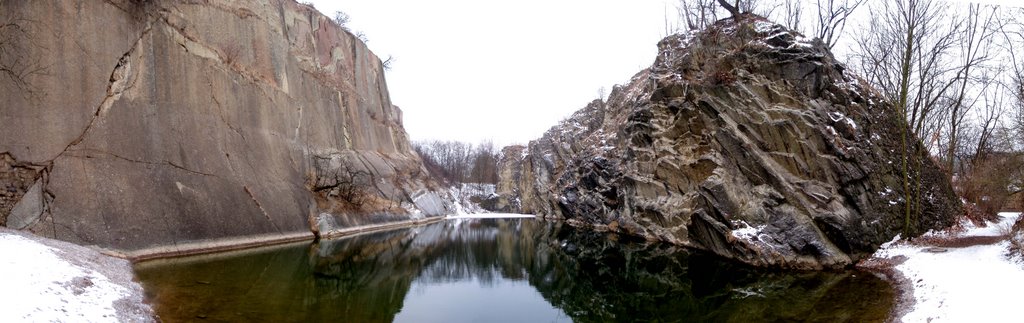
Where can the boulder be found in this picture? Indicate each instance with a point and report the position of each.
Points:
(748, 140)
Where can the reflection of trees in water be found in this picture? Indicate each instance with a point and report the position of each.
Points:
(484, 249)
(593, 277)
(590, 276)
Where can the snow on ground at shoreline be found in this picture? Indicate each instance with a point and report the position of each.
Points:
(990, 230)
(37, 285)
(970, 284)
(492, 216)
(463, 194)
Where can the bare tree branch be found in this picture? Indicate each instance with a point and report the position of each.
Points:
(832, 17)
(697, 14)
(17, 64)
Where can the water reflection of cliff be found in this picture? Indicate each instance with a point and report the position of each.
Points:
(589, 276)
(597, 278)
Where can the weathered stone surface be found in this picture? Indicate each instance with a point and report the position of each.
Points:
(15, 180)
(29, 209)
(156, 122)
(747, 140)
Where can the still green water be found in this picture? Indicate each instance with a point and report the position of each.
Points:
(498, 270)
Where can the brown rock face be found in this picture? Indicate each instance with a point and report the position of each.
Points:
(147, 123)
(747, 140)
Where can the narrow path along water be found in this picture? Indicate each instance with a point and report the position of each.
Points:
(498, 270)
(46, 280)
(963, 276)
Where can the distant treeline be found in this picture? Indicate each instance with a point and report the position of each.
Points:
(460, 162)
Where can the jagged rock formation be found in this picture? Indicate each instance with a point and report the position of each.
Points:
(745, 139)
(150, 123)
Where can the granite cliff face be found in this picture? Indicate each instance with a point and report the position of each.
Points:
(150, 123)
(747, 140)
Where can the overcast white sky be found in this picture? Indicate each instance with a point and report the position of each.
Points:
(505, 71)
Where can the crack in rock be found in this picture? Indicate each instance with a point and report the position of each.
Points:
(117, 85)
(160, 163)
(260, 206)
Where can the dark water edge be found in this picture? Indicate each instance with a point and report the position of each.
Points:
(499, 270)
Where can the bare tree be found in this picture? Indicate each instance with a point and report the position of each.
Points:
(905, 51)
(1013, 45)
(832, 17)
(341, 18)
(734, 8)
(992, 168)
(792, 14)
(485, 164)
(976, 39)
(697, 14)
(452, 161)
(988, 124)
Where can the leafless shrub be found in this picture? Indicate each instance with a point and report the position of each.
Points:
(988, 183)
(341, 19)
(231, 53)
(362, 37)
(345, 183)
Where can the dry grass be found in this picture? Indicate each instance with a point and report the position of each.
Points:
(984, 185)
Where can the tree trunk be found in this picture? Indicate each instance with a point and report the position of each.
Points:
(731, 8)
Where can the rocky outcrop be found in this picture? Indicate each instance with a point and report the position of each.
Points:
(151, 123)
(745, 139)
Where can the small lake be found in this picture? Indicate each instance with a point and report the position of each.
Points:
(498, 270)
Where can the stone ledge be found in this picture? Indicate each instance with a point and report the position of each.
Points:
(234, 244)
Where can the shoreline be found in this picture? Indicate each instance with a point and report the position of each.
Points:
(204, 247)
(903, 288)
(57, 281)
(951, 275)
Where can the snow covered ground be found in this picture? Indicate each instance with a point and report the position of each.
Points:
(977, 283)
(464, 193)
(492, 216)
(42, 280)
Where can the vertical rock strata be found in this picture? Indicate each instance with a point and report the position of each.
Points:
(151, 123)
(745, 139)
